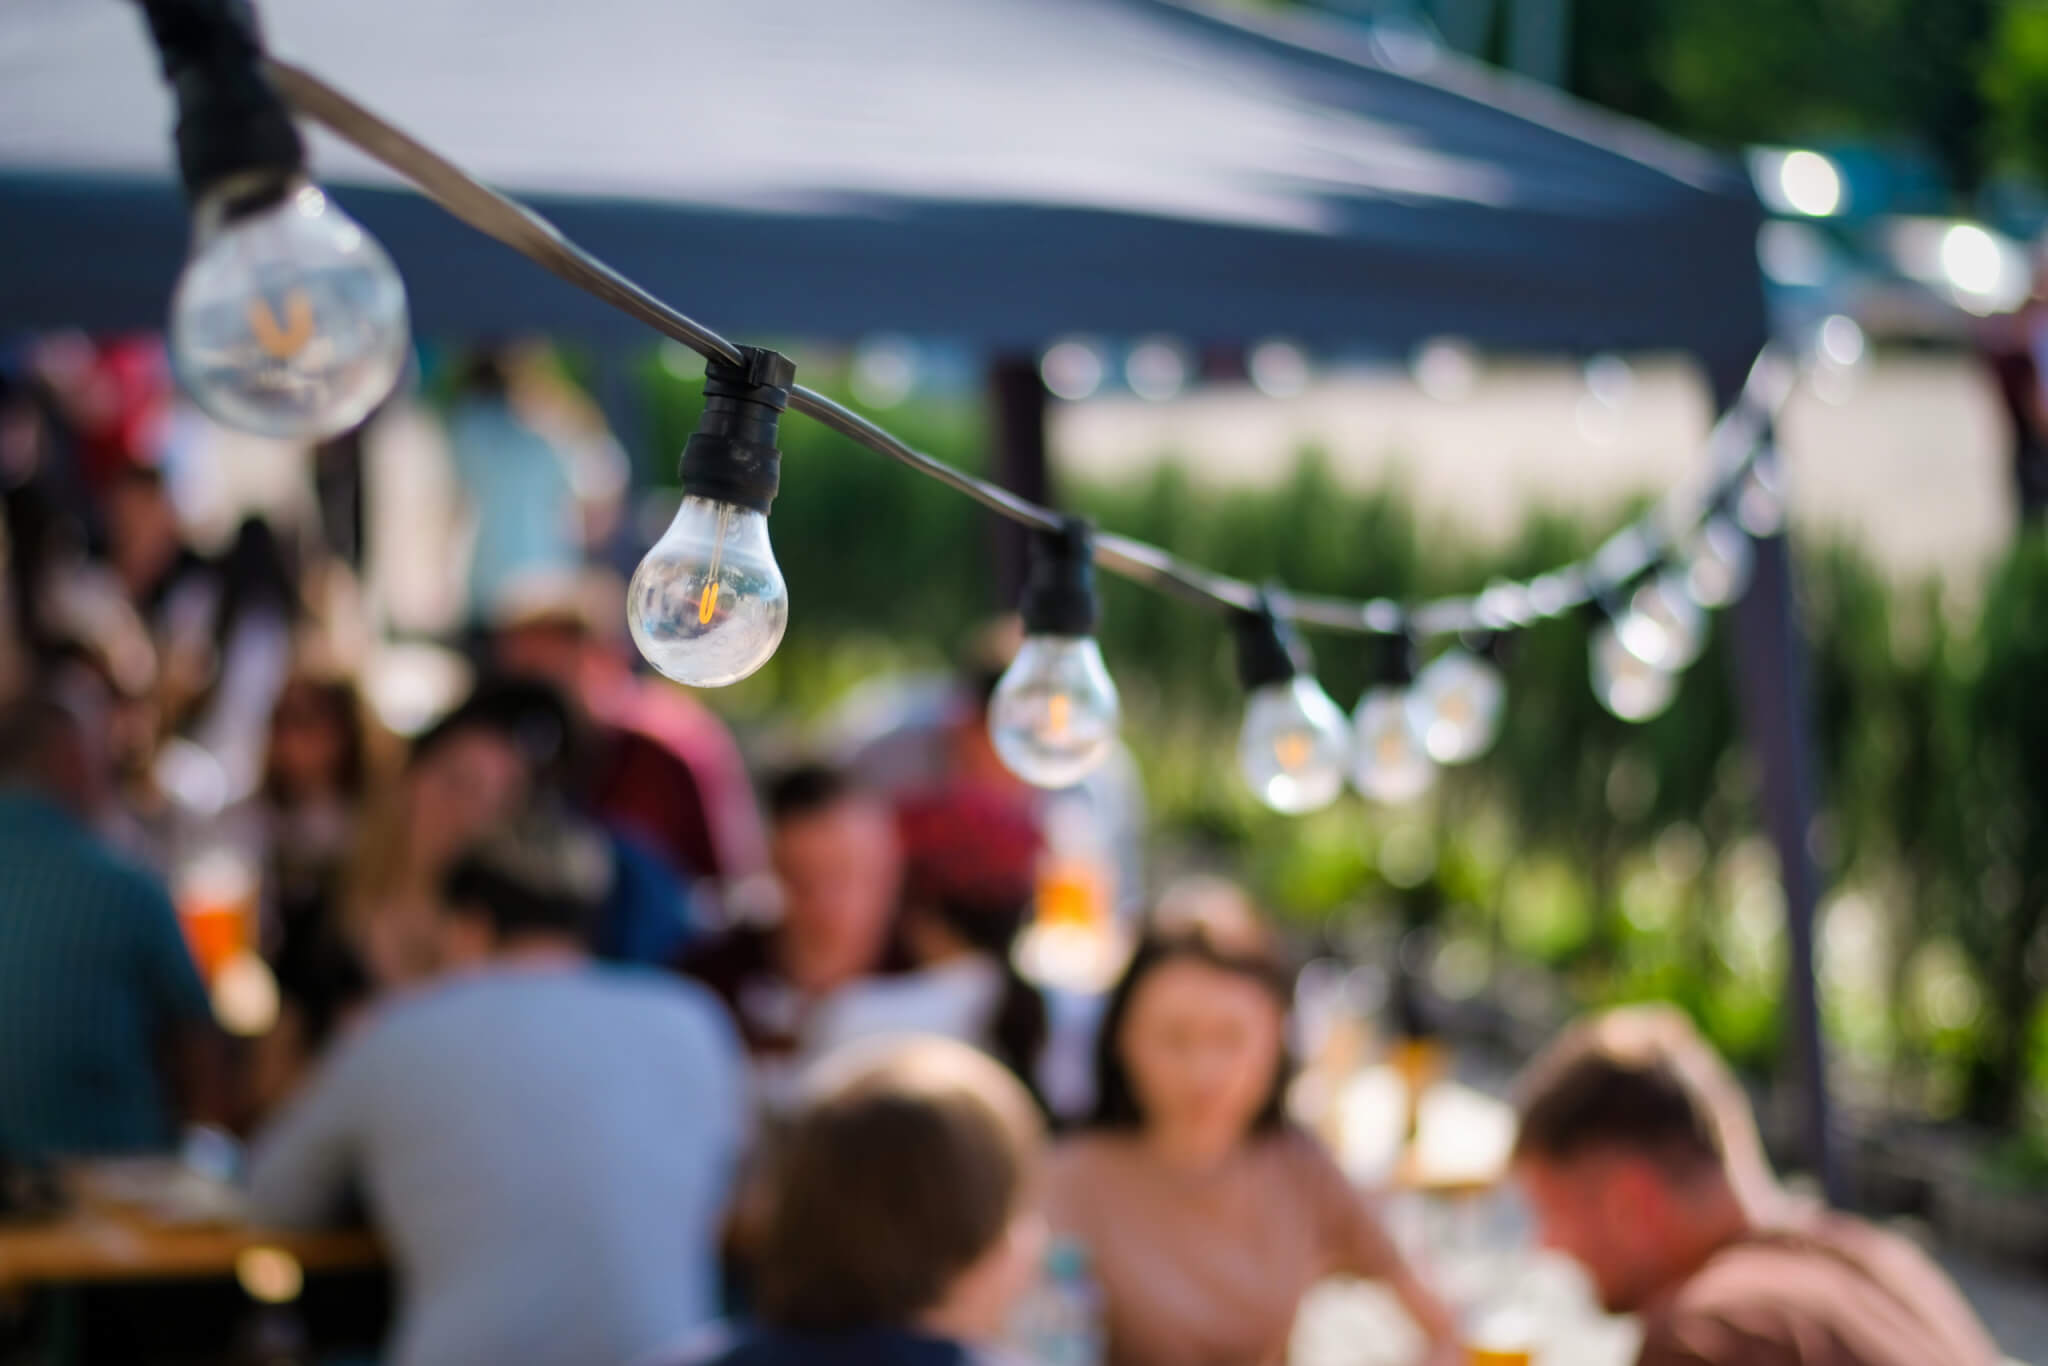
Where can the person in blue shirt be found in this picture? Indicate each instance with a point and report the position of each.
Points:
(97, 987)
(545, 1143)
(901, 1228)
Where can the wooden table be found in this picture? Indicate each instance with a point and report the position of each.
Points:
(97, 1240)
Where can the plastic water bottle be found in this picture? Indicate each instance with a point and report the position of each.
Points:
(1061, 1323)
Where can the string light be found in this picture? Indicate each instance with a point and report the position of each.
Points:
(1456, 703)
(288, 319)
(1389, 760)
(1053, 716)
(1719, 563)
(1627, 684)
(1295, 743)
(708, 604)
(1663, 625)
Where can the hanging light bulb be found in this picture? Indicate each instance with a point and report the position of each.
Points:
(1760, 498)
(1628, 685)
(1389, 760)
(1719, 562)
(708, 605)
(1053, 716)
(288, 319)
(1294, 745)
(1663, 624)
(1455, 704)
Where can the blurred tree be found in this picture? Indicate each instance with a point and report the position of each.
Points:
(1999, 789)
(2015, 85)
(1736, 71)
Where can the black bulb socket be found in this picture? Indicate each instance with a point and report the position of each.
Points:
(1268, 649)
(232, 123)
(731, 457)
(1059, 595)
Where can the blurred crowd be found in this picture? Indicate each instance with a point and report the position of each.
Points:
(614, 1037)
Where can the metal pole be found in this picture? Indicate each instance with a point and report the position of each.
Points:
(1771, 683)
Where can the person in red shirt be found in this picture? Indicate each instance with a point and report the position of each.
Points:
(1639, 1156)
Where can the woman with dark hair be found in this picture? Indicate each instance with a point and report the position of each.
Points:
(1205, 1214)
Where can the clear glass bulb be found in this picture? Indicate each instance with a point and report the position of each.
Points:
(1720, 564)
(1663, 624)
(1053, 717)
(1760, 502)
(1455, 706)
(1626, 684)
(289, 320)
(1389, 762)
(1294, 745)
(708, 606)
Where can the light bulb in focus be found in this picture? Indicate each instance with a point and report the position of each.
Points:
(289, 320)
(1626, 684)
(1294, 745)
(708, 606)
(1720, 562)
(1389, 762)
(1455, 706)
(1663, 625)
(1053, 716)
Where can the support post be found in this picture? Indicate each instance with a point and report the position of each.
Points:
(1771, 687)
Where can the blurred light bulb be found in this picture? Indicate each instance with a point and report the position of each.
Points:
(1663, 624)
(1455, 706)
(1719, 564)
(708, 606)
(1279, 369)
(289, 320)
(1389, 762)
(1053, 716)
(1760, 502)
(1627, 684)
(1294, 745)
(1810, 184)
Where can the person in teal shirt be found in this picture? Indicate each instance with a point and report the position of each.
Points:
(97, 987)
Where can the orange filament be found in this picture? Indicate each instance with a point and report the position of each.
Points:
(282, 342)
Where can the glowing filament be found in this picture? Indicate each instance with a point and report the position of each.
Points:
(707, 602)
(1293, 750)
(282, 342)
(1058, 713)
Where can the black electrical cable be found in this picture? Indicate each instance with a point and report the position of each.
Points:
(1733, 445)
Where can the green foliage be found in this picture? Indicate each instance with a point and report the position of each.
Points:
(1735, 71)
(2015, 85)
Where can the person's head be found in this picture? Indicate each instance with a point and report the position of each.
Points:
(970, 861)
(480, 763)
(48, 747)
(318, 742)
(1193, 1046)
(834, 847)
(1634, 1145)
(532, 881)
(902, 1196)
(552, 626)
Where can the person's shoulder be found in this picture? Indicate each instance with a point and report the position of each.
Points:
(666, 1000)
(1291, 1153)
